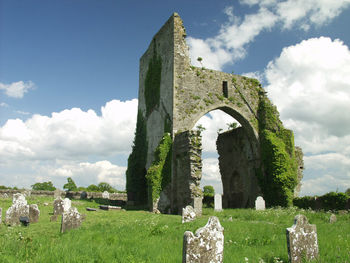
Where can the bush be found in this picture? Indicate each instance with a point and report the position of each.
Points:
(44, 186)
(329, 201)
(208, 196)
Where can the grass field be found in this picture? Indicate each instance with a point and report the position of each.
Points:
(140, 236)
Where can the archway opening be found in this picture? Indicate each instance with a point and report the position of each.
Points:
(228, 162)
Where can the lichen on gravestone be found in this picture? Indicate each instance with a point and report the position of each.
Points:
(19, 208)
(206, 246)
(70, 219)
(34, 213)
(188, 214)
(302, 240)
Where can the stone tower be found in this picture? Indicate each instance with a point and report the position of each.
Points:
(173, 96)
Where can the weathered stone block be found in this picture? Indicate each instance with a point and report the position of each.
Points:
(188, 214)
(302, 240)
(19, 208)
(259, 203)
(218, 202)
(70, 219)
(34, 213)
(332, 218)
(206, 246)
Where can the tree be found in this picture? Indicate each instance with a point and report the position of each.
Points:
(70, 186)
(208, 195)
(200, 128)
(232, 125)
(105, 187)
(44, 186)
(92, 188)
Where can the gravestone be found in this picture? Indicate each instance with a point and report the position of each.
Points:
(57, 193)
(259, 203)
(332, 218)
(105, 195)
(188, 214)
(34, 213)
(302, 240)
(58, 206)
(207, 245)
(67, 203)
(71, 219)
(19, 208)
(218, 202)
(83, 195)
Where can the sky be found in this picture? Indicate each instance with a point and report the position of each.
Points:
(69, 81)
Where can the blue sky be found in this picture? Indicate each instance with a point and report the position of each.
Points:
(69, 81)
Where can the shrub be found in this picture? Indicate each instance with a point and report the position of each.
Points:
(333, 201)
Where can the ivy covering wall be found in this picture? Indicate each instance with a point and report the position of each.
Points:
(279, 165)
(136, 185)
(152, 82)
(159, 173)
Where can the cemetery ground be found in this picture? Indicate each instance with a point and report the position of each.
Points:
(141, 236)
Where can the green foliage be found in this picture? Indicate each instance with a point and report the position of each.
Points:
(159, 174)
(70, 185)
(44, 186)
(208, 196)
(329, 201)
(92, 188)
(105, 187)
(200, 128)
(232, 125)
(347, 191)
(152, 83)
(279, 176)
(136, 185)
(5, 187)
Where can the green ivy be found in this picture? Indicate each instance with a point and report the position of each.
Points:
(279, 165)
(159, 174)
(152, 83)
(136, 185)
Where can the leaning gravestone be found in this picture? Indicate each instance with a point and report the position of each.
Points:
(105, 195)
(218, 202)
(70, 219)
(188, 214)
(19, 208)
(207, 245)
(259, 203)
(34, 213)
(302, 240)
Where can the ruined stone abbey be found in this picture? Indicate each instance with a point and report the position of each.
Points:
(258, 158)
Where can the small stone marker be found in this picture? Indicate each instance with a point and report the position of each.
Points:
(70, 219)
(83, 195)
(188, 214)
(230, 219)
(105, 195)
(34, 213)
(302, 240)
(332, 218)
(218, 202)
(207, 245)
(259, 203)
(19, 208)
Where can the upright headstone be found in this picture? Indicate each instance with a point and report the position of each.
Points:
(188, 214)
(34, 213)
(19, 208)
(207, 245)
(58, 206)
(67, 203)
(105, 195)
(302, 240)
(70, 219)
(83, 195)
(259, 203)
(332, 218)
(218, 202)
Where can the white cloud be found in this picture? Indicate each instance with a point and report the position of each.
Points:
(211, 174)
(310, 85)
(71, 133)
(17, 89)
(59, 145)
(22, 112)
(3, 104)
(231, 42)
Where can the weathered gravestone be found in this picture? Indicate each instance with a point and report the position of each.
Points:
(218, 202)
(60, 206)
(19, 208)
(70, 219)
(302, 240)
(188, 214)
(259, 203)
(34, 213)
(105, 195)
(207, 245)
(332, 218)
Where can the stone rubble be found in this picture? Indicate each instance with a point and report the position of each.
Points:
(188, 214)
(206, 246)
(302, 240)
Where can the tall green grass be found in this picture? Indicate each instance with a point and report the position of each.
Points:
(140, 236)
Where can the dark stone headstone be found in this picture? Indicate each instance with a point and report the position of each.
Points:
(24, 220)
(83, 195)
